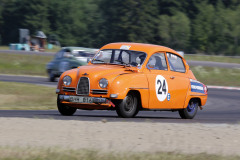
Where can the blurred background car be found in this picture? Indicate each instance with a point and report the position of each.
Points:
(68, 58)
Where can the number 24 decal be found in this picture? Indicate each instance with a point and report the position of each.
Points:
(162, 87)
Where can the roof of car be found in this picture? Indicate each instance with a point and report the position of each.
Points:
(80, 48)
(148, 48)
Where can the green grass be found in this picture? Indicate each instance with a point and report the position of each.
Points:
(13, 153)
(24, 64)
(4, 47)
(217, 76)
(212, 58)
(21, 96)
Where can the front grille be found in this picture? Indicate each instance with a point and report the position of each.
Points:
(69, 89)
(83, 86)
(99, 91)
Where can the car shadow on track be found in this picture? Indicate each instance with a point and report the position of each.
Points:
(110, 118)
(92, 116)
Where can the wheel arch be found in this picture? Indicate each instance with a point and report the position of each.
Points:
(139, 98)
(193, 98)
(126, 83)
(196, 99)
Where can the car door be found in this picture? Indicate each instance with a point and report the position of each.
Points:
(57, 60)
(158, 81)
(179, 82)
(64, 62)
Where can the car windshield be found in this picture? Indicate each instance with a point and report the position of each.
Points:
(82, 53)
(120, 57)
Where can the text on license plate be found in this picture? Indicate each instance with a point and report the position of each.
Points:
(78, 99)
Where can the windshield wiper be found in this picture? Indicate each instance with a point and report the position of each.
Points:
(98, 60)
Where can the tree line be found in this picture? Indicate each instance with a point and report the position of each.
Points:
(193, 26)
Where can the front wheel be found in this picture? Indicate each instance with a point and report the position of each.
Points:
(64, 109)
(127, 108)
(51, 76)
(190, 111)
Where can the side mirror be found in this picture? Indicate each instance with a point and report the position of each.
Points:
(150, 66)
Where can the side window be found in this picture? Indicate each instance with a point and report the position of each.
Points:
(175, 63)
(125, 57)
(67, 53)
(157, 61)
(121, 56)
(139, 58)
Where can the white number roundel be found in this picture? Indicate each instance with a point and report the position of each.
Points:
(161, 88)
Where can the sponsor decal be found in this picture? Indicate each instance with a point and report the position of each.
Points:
(197, 86)
(125, 47)
(161, 88)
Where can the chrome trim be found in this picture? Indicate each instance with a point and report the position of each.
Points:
(57, 90)
(69, 89)
(113, 95)
(200, 94)
(137, 88)
(99, 91)
(88, 86)
(64, 97)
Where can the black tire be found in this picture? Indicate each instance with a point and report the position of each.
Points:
(190, 111)
(128, 107)
(51, 76)
(64, 109)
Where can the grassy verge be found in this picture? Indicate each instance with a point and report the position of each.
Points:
(212, 58)
(217, 76)
(24, 64)
(8, 153)
(20, 96)
(4, 47)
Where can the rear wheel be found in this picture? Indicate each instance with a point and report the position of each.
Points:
(190, 111)
(64, 109)
(127, 108)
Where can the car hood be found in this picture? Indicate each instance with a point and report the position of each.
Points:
(104, 71)
(97, 72)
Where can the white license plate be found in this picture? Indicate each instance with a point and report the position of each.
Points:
(79, 99)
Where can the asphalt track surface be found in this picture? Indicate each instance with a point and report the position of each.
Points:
(191, 63)
(223, 106)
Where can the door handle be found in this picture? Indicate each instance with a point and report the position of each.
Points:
(172, 77)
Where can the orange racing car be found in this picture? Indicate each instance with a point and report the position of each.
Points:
(132, 77)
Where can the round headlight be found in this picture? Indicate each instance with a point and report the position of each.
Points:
(103, 83)
(67, 80)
